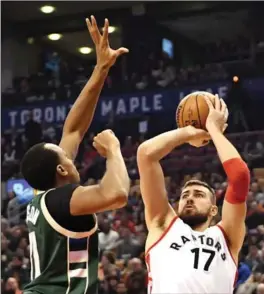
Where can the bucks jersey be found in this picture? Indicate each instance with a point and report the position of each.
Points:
(62, 261)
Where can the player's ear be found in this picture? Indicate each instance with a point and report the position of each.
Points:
(61, 170)
(214, 210)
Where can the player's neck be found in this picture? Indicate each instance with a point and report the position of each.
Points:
(201, 227)
(62, 182)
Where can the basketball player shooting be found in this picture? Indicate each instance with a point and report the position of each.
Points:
(184, 254)
(61, 221)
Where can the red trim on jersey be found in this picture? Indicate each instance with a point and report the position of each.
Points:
(149, 280)
(162, 236)
(227, 243)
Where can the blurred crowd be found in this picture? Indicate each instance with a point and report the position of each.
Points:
(60, 78)
(123, 232)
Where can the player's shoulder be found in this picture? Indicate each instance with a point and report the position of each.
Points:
(216, 230)
(37, 195)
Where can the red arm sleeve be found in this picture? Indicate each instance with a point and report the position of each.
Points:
(238, 176)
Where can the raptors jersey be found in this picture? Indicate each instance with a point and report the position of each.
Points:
(186, 261)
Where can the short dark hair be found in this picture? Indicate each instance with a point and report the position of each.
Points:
(38, 167)
(110, 256)
(201, 183)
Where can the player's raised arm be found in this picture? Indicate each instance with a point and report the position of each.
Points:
(238, 175)
(152, 185)
(112, 192)
(82, 111)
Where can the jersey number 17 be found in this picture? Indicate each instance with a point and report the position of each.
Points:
(197, 252)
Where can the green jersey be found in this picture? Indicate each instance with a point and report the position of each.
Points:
(62, 261)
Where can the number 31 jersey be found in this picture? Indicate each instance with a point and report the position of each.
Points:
(62, 261)
(187, 261)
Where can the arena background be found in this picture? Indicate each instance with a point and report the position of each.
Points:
(175, 48)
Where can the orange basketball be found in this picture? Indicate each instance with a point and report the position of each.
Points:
(193, 110)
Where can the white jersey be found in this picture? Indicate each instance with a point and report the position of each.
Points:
(185, 261)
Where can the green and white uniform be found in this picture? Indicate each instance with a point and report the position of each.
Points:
(62, 261)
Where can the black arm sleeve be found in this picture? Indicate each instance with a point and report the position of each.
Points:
(58, 204)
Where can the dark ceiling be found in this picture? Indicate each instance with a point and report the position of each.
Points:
(69, 15)
(195, 20)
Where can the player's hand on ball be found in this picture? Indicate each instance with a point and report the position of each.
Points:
(218, 115)
(198, 137)
(106, 56)
(106, 142)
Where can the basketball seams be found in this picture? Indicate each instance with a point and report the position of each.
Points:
(198, 111)
(183, 125)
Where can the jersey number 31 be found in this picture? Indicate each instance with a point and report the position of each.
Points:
(34, 256)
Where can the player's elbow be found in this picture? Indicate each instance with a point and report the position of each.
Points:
(241, 175)
(120, 198)
(237, 172)
(144, 152)
(244, 174)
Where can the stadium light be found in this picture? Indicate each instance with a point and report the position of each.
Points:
(85, 50)
(30, 40)
(47, 9)
(235, 79)
(54, 37)
(110, 29)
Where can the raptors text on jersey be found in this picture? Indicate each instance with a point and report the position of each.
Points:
(186, 261)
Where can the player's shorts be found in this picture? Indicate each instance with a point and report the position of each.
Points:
(30, 292)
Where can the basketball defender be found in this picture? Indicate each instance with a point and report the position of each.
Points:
(61, 221)
(184, 254)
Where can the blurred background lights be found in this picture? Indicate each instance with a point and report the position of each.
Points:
(85, 50)
(54, 37)
(47, 9)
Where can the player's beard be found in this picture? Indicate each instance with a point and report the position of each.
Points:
(194, 220)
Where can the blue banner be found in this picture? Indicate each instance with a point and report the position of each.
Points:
(119, 106)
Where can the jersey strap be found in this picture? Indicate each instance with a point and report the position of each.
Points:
(57, 227)
(162, 236)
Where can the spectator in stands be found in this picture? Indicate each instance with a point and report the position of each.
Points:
(125, 221)
(49, 133)
(244, 273)
(107, 237)
(6, 253)
(128, 244)
(248, 287)
(253, 258)
(13, 209)
(24, 86)
(136, 279)
(33, 131)
(260, 289)
(15, 269)
(167, 75)
(9, 155)
(108, 261)
(142, 83)
(12, 287)
(121, 288)
(128, 150)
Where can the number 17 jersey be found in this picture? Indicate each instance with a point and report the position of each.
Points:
(187, 261)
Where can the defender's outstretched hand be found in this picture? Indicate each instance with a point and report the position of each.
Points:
(218, 115)
(106, 56)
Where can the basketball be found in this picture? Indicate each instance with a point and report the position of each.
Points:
(193, 110)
